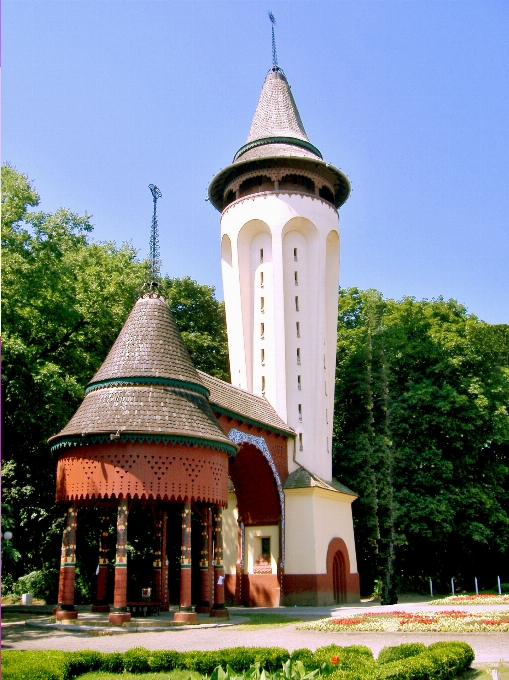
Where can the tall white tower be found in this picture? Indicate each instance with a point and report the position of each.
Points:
(280, 260)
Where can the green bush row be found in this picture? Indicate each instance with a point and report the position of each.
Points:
(404, 662)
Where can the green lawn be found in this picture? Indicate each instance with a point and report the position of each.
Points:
(482, 671)
(259, 621)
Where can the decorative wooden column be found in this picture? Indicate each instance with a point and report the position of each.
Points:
(185, 613)
(165, 592)
(157, 563)
(68, 567)
(204, 606)
(219, 608)
(120, 614)
(101, 594)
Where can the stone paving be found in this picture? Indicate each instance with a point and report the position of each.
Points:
(488, 647)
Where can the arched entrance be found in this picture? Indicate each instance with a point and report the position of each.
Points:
(339, 578)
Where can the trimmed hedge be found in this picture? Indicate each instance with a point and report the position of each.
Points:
(440, 661)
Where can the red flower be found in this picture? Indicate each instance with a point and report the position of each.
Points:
(335, 660)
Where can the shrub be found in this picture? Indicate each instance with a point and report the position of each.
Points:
(83, 661)
(165, 660)
(271, 658)
(345, 658)
(405, 651)
(136, 660)
(43, 584)
(304, 655)
(28, 665)
(112, 662)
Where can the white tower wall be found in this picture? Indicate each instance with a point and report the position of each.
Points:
(280, 262)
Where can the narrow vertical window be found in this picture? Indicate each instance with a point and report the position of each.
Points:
(298, 329)
(325, 388)
(296, 303)
(301, 447)
(262, 331)
(263, 385)
(295, 254)
(261, 254)
(300, 413)
(262, 305)
(296, 277)
(298, 355)
(261, 279)
(299, 383)
(263, 357)
(326, 417)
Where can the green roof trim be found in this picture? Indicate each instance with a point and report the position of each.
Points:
(148, 380)
(278, 140)
(141, 437)
(249, 421)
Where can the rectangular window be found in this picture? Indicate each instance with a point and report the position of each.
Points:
(298, 329)
(295, 254)
(262, 305)
(296, 276)
(301, 447)
(263, 357)
(300, 413)
(261, 254)
(262, 331)
(298, 355)
(263, 385)
(299, 384)
(261, 279)
(266, 546)
(296, 303)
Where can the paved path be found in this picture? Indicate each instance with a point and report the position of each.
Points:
(488, 647)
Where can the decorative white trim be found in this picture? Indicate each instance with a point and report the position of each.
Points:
(239, 438)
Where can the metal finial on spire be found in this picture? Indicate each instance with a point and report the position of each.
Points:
(155, 262)
(274, 53)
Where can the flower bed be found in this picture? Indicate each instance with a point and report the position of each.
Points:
(430, 621)
(486, 598)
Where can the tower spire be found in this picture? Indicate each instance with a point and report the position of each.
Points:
(154, 257)
(275, 67)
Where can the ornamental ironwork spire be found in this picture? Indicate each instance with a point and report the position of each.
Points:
(275, 67)
(154, 256)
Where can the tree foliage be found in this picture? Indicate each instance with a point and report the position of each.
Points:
(422, 434)
(65, 299)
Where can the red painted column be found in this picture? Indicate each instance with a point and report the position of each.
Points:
(101, 595)
(157, 563)
(120, 614)
(219, 608)
(185, 613)
(165, 592)
(204, 606)
(68, 566)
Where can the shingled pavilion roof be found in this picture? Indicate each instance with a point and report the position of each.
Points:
(238, 403)
(147, 385)
(303, 479)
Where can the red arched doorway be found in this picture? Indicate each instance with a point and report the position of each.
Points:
(339, 578)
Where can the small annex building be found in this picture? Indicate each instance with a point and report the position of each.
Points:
(242, 472)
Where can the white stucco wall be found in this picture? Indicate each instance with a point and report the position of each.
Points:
(230, 535)
(253, 545)
(278, 223)
(314, 517)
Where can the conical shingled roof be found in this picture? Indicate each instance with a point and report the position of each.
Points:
(276, 113)
(277, 128)
(147, 385)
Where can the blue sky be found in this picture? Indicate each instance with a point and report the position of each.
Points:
(409, 98)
